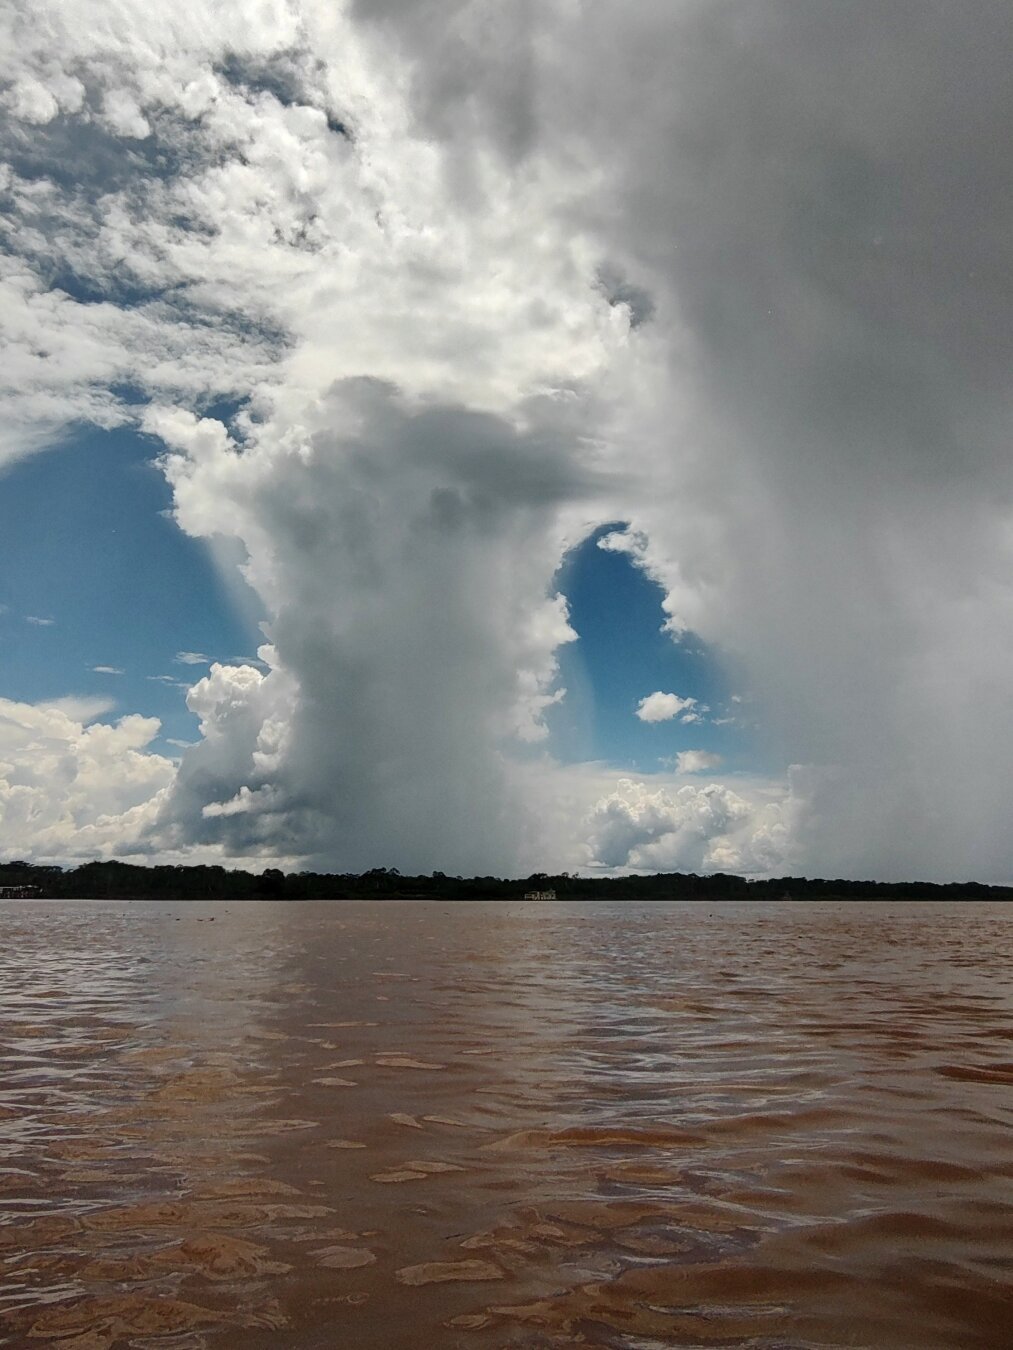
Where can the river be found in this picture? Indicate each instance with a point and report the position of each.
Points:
(383, 1126)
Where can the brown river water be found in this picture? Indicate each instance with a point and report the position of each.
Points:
(393, 1125)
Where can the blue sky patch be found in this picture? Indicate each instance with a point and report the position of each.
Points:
(621, 657)
(93, 574)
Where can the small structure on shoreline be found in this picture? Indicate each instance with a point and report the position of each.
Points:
(19, 892)
(539, 895)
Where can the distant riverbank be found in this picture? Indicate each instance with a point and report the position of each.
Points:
(118, 880)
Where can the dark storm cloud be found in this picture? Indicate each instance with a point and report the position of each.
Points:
(410, 547)
(819, 200)
(479, 79)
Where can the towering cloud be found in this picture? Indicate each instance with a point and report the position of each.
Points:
(403, 554)
(486, 276)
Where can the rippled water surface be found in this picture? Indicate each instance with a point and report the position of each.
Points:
(398, 1125)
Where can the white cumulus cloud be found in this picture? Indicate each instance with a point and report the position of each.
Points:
(661, 707)
(696, 761)
(663, 830)
(665, 827)
(73, 791)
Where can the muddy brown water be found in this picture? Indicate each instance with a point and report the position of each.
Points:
(382, 1126)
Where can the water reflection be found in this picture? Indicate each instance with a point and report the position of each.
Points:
(504, 1125)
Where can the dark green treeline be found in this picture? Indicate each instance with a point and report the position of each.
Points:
(127, 881)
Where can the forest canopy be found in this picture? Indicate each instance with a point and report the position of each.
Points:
(119, 880)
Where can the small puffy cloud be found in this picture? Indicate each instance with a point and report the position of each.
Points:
(123, 117)
(38, 621)
(660, 707)
(30, 101)
(696, 761)
(190, 659)
(108, 670)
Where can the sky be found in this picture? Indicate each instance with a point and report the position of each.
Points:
(496, 438)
